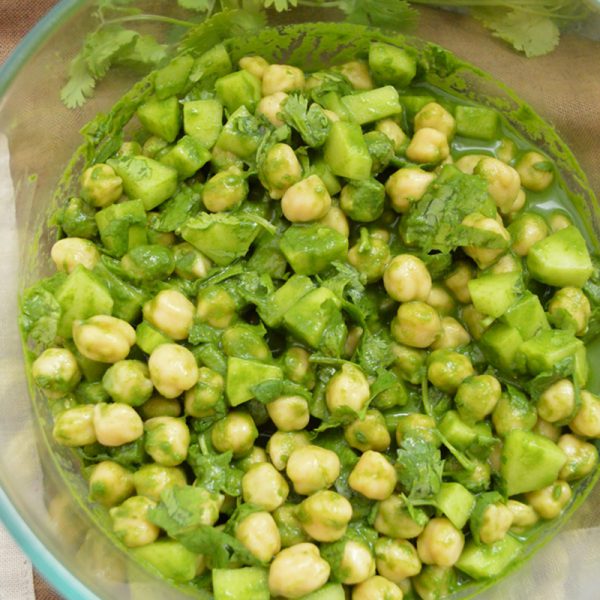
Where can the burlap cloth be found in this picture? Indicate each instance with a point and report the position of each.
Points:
(563, 86)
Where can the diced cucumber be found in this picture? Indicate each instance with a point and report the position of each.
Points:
(243, 375)
(493, 294)
(309, 317)
(527, 316)
(456, 502)
(332, 101)
(330, 591)
(561, 259)
(82, 295)
(295, 288)
(311, 248)
(214, 63)
(456, 431)
(240, 88)
(373, 105)
(581, 370)
(391, 65)
(172, 559)
(500, 344)
(172, 79)
(246, 583)
(187, 156)
(346, 151)
(161, 117)
(529, 462)
(476, 122)
(222, 237)
(148, 337)
(546, 349)
(332, 183)
(203, 120)
(242, 134)
(489, 560)
(115, 221)
(145, 179)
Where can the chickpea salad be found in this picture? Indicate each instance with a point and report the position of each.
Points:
(314, 335)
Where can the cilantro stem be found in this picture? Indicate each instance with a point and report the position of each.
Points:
(464, 461)
(152, 18)
(425, 397)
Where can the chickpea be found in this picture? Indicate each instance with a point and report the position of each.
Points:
(255, 65)
(281, 78)
(476, 397)
(336, 219)
(393, 131)
(524, 516)
(504, 182)
(497, 520)
(152, 479)
(370, 256)
(131, 524)
(586, 422)
(428, 146)
(158, 406)
(559, 220)
(527, 229)
(201, 399)
(281, 445)
(128, 381)
(216, 307)
(256, 456)
(325, 515)
(290, 528)
(458, 280)
(312, 468)
(171, 312)
(377, 588)
(357, 563)
(416, 324)
(72, 251)
(75, 426)
(369, 433)
(448, 369)
(396, 559)
(484, 257)
(506, 151)
(271, 106)
(434, 582)
(549, 430)
(508, 263)
(513, 412)
(518, 204)
(582, 457)
(347, 389)
(475, 321)
(416, 425)
(103, 338)
(289, 413)
(440, 543)
(557, 402)
(535, 171)
(264, 486)
(373, 476)
(393, 519)
(101, 186)
(333, 117)
(468, 163)
(281, 170)
(297, 367)
(452, 335)
(226, 190)
(167, 440)
(549, 501)
(407, 185)
(307, 200)
(570, 308)
(406, 278)
(357, 73)
(297, 571)
(190, 263)
(110, 484)
(259, 533)
(173, 369)
(236, 432)
(117, 424)
(435, 116)
(56, 372)
(441, 300)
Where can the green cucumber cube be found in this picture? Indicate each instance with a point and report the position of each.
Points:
(187, 156)
(115, 221)
(476, 122)
(214, 63)
(489, 560)
(170, 558)
(82, 295)
(295, 288)
(239, 88)
(161, 117)
(456, 431)
(147, 337)
(500, 344)
(330, 591)
(172, 79)
(456, 502)
(241, 134)
(529, 462)
(243, 375)
(346, 151)
(145, 179)
(332, 101)
(311, 248)
(203, 120)
(561, 259)
(493, 294)
(372, 105)
(391, 65)
(527, 316)
(246, 583)
(546, 349)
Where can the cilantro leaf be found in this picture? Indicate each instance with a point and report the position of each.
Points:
(311, 123)
(419, 467)
(80, 85)
(132, 454)
(102, 47)
(271, 389)
(375, 351)
(397, 15)
(280, 5)
(174, 212)
(214, 471)
(147, 52)
(197, 5)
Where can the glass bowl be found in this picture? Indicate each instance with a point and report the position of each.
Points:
(42, 498)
